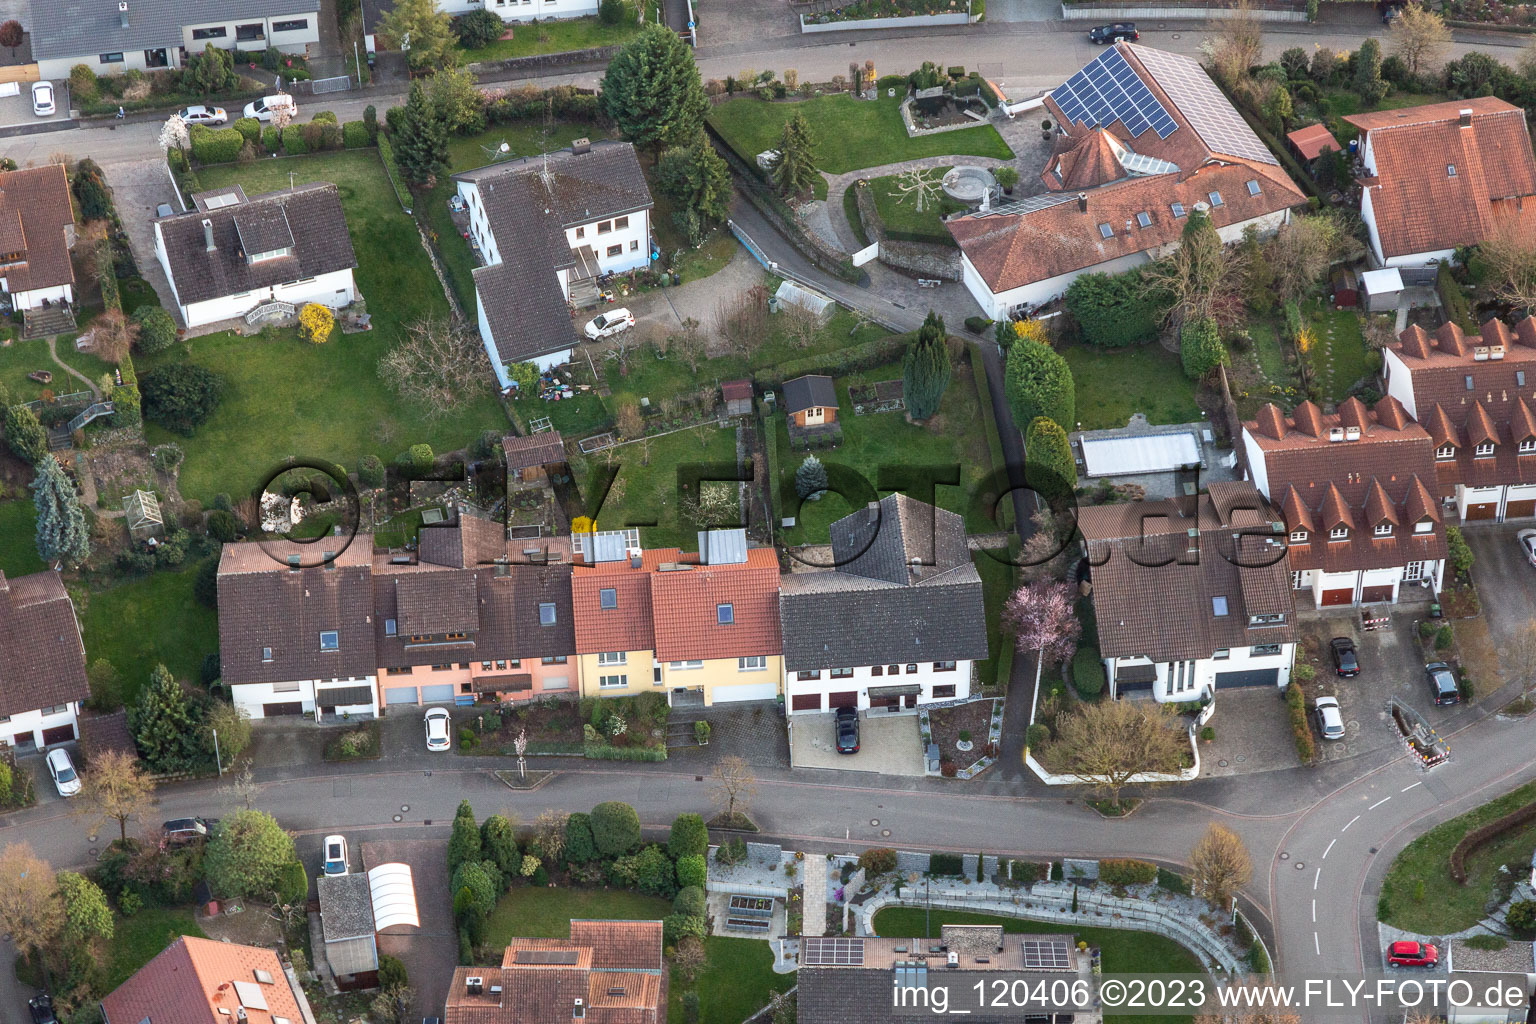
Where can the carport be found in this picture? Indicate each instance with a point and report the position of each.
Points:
(888, 744)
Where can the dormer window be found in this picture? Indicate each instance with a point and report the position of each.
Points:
(1178, 210)
(1339, 533)
(1216, 199)
(1424, 526)
(1253, 186)
(1445, 453)
(1267, 619)
(1298, 536)
(1144, 220)
(1528, 445)
(1105, 231)
(1383, 529)
(270, 254)
(1484, 449)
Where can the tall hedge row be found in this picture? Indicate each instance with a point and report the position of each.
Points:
(1113, 310)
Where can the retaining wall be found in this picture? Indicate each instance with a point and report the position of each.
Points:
(1177, 12)
(863, 24)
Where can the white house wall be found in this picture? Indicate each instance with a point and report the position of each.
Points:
(528, 10)
(335, 290)
(861, 680)
(634, 242)
(1239, 659)
(292, 41)
(33, 723)
(33, 298)
(253, 696)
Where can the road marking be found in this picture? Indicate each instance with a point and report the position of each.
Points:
(1419, 783)
(1314, 911)
(1317, 878)
(1330, 847)
(1351, 822)
(1317, 946)
(1378, 803)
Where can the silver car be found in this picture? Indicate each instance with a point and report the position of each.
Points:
(1330, 722)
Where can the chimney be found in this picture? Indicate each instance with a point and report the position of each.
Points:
(1465, 119)
(873, 512)
(240, 1013)
(122, 12)
(579, 1010)
(580, 146)
(1082, 202)
(208, 233)
(474, 986)
(635, 558)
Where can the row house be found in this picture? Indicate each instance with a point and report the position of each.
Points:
(1191, 595)
(898, 622)
(702, 628)
(1356, 492)
(1476, 398)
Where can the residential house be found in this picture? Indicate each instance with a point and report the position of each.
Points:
(37, 232)
(43, 682)
(874, 980)
(200, 981)
(1476, 398)
(1356, 491)
(702, 628)
(1441, 176)
(1191, 595)
(530, 457)
(607, 971)
(466, 618)
(1145, 138)
(146, 35)
(546, 228)
(347, 930)
(529, 10)
(898, 623)
(233, 253)
(1485, 971)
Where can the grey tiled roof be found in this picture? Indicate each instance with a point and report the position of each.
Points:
(84, 28)
(526, 310)
(603, 182)
(808, 392)
(899, 540)
(318, 228)
(262, 227)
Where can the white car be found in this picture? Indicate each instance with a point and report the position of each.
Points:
(200, 114)
(1330, 721)
(1527, 539)
(605, 325)
(335, 861)
(437, 729)
(262, 109)
(42, 99)
(65, 779)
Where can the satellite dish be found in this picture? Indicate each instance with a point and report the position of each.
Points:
(501, 151)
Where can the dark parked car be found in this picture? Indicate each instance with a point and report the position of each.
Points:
(847, 731)
(1346, 661)
(1442, 683)
(187, 830)
(42, 1009)
(1105, 34)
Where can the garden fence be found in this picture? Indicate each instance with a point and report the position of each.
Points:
(341, 83)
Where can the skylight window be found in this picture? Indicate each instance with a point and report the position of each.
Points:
(1144, 220)
(1253, 186)
(1105, 231)
(1178, 210)
(608, 597)
(330, 640)
(1219, 606)
(1450, 170)
(1216, 199)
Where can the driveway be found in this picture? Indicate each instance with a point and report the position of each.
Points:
(430, 952)
(16, 110)
(888, 744)
(753, 732)
(139, 187)
(1253, 734)
(1506, 582)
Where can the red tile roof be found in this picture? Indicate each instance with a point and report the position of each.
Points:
(628, 625)
(1418, 204)
(36, 220)
(1313, 141)
(193, 979)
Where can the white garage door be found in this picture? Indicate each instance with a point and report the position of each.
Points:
(442, 694)
(400, 695)
(747, 691)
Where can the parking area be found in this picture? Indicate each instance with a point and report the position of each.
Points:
(139, 187)
(1506, 581)
(16, 105)
(1253, 733)
(753, 732)
(888, 744)
(431, 951)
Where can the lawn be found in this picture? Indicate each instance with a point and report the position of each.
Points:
(555, 36)
(997, 578)
(1112, 384)
(646, 489)
(153, 619)
(284, 397)
(734, 983)
(1124, 952)
(1339, 358)
(1419, 893)
(528, 912)
(902, 220)
(956, 436)
(19, 358)
(18, 538)
(88, 363)
(139, 939)
(851, 133)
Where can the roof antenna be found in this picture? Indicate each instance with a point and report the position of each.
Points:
(290, 181)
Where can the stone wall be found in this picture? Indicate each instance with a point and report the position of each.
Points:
(919, 258)
(532, 65)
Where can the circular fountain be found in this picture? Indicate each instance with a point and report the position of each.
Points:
(968, 183)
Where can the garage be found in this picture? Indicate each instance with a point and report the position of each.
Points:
(400, 695)
(279, 710)
(843, 699)
(1520, 508)
(441, 693)
(747, 691)
(1250, 677)
(1345, 595)
(1376, 595)
(1481, 511)
(805, 702)
(58, 734)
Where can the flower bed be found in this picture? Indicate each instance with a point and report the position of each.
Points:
(966, 734)
(869, 10)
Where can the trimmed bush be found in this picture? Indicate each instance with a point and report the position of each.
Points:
(157, 329)
(945, 864)
(689, 901)
(878, 861)
(1521, 916)
(1444, 638)
(248, 127)
(354, 134)
(370, 471)
(579, 846)
(1301, 730)
(1112, 310)
(215, 145)
(615, 828)
(478, 28)
(1117, 871)
(1037, 735)
(1088, 673)
(271, 139)
(689, 836)
(692, 870)
(675, 926)
(293, 141)
(1200, 348)
(1038, 382)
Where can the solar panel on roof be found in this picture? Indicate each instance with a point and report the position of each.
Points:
(836, 952)
(547, 956)
(1208, 112)
(1047, 954)
(1107, 90)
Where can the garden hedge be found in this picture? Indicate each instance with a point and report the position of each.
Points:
(293, 141)
(354, 135)
(1112, 310)
(248, 127)
(1301, 730)
(864, 356)
(1088, 673)
(1126, 871)
(215, 145)
(1484, 834)
(1038, 382)
(945, 864)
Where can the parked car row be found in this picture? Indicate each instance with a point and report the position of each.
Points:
(1444, 689)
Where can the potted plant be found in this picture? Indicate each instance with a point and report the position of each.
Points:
(701, 733)
(1007, 177)
(1045, 129)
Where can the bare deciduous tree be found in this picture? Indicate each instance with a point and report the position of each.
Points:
(1106, 744)
(115, 790)
(1251, 1015)
(620, 347)
(1221, 865)
(800, 325)
(920, 185)
(1301, 252)
(743, 318)
(1049, 552)
(1510, 253)
(735, 786)
(689, 343)
(1419, 38)
(438, 363)
(549, 833)
(112, 335)
(29, 900)
(1203, 277)
(1238, 44)
(690, 957)
(714, 506)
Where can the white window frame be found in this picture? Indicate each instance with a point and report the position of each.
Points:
(1445, 453)
(1413, 572)
(334, 644)
(1483, 450)
(685, 666)
(1383, 530)
(1528, 445)
(1298, 536)
(613, 658)
(1339, 533)
(617, 682)
(752, 663)
(1424, 526)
